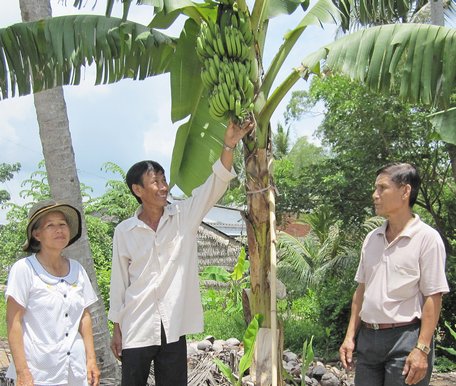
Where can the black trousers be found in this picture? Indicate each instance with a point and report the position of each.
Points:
(170, 363)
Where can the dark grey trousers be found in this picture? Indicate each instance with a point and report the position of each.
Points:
(381, 356)
(170, 363)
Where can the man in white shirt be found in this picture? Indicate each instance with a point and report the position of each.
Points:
(401, 279)
(154, 296)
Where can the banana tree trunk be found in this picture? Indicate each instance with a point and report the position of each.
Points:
(64, 185)
(258, 233)
(258, 182)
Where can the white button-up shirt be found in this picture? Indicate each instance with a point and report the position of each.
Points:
(154, 277)
(398, 275)
(53, 310)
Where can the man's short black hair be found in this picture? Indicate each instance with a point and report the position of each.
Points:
(403, 174)
(135, 174)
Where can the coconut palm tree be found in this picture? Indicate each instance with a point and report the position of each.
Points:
(42, 55)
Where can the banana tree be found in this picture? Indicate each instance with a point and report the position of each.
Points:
(41, 55)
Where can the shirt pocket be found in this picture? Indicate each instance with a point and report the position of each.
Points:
(402, 282)
(169, 250)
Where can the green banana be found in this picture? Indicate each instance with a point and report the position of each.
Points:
(237, 41)
(217, 62)
(232, 76)
(228, 80)
(206, 78)
(253, 71)
(216, 106)
(240, 80)
(200, 47)
(212, 71)
(232, 101)
(229, 47)
(245, 28)
(225, 90)
(249, 89)
(223, 100)
(237, 107)
(234, 20)
(220, 46)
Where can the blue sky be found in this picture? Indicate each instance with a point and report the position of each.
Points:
(127, 121)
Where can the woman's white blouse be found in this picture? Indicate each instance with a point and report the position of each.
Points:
(53, 310)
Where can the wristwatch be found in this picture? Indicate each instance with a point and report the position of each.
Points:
(228, 148)
(423, 348)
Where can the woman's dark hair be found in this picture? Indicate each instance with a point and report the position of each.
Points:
(136, 174)
(403, 174)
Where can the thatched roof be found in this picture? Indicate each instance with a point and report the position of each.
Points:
(216, 248)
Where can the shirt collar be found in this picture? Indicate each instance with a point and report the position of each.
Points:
(169, 210)
(45, 276)
(409, 230)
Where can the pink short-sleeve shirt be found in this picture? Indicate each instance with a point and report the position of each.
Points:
(398, 275)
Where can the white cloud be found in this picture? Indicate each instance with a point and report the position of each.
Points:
(159, 134)
(17, 125)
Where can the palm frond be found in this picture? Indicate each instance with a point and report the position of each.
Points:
(371, 223)
(376, 12)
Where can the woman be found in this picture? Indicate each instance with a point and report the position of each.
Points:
(48, 295)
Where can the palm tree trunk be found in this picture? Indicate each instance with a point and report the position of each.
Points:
(437, 12)
(64, 184)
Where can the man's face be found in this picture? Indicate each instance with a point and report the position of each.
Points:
(389, 198)
(154, 189)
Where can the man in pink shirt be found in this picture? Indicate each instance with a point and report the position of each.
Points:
(401, 279)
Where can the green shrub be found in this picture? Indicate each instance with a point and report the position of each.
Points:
(220, 326)
(298, 330)
(444, 364)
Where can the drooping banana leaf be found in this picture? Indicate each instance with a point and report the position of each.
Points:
(198, 141)
(421, 56)
(40, 55)
(197, 146)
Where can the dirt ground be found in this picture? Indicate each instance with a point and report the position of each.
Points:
(443, 379)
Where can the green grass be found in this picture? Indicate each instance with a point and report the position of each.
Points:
(221, 326)
(3, 333)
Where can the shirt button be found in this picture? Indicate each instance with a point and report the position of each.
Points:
(61, 280)
(68, 353)
(66, 315)
(66, 334)
(64, 296)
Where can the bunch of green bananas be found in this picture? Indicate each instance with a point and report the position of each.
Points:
(229, 66)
